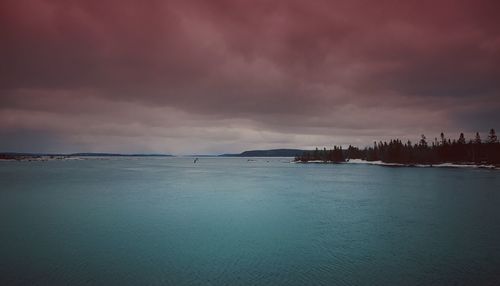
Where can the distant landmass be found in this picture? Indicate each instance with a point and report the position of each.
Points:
(45, 156)
(268, 153)
(119, 155)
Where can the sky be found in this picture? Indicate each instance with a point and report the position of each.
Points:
(222, 76)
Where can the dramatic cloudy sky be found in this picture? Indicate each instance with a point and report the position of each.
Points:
(215, 76)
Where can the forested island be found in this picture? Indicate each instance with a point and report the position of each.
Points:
(438, 151)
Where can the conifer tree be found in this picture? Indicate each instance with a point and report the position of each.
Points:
(477, 140)
(461, 140)
(492, 137)
(423, 142)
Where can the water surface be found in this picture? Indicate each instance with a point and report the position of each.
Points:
(229, 221)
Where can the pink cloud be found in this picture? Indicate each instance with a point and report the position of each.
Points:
(331, 70)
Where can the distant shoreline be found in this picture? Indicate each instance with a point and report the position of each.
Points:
(73, 156)
(45, 158)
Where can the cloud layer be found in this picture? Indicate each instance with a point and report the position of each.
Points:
(223, 76)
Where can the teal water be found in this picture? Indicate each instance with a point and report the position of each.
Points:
(227, 221)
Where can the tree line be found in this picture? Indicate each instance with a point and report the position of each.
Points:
(439, 150)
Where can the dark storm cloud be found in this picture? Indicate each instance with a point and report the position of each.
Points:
(223, 72)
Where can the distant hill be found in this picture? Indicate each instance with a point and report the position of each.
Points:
(119, 155)
(268, 153)
(18, 154)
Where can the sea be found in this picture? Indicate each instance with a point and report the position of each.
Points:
(246, 221)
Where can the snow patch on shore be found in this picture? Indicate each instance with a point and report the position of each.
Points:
(442, 165)
(380, 163)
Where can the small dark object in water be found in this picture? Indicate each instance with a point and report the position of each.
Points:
(195, 160)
